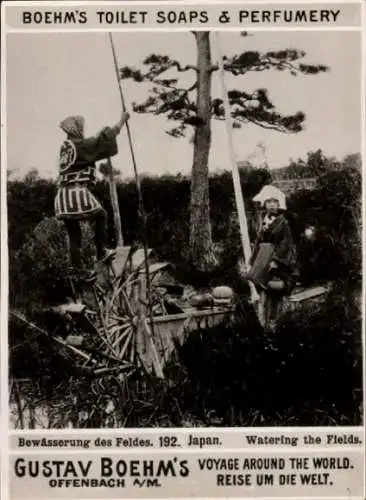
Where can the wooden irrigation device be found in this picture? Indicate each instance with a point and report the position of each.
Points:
(109, 330)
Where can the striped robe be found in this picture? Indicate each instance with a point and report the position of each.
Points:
(75, 202)
(77, 174)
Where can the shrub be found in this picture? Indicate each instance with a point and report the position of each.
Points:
(308, 373)
(39, 270)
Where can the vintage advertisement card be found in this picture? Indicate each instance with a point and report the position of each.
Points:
(182, 250)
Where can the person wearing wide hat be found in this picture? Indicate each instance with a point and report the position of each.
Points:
(74, 199)
(272, 263)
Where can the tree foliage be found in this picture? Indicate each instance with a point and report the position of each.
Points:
(194, 105)
(37, 242)
(29, 200)
(39, 269)
(315, 348)
(169, 97)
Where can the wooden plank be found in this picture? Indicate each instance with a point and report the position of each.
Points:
(73, 308)
(119, 262)
(308, 294)
(138, 257)
(214, 311)
(123, 254)
(151, 356)
(74, 340)
(154, 268)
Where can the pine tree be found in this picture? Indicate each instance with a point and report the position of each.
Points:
(195, 107)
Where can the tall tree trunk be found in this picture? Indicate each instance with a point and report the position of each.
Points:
(200, 241)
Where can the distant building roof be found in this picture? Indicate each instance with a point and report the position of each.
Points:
(245, 165)
(289, 186)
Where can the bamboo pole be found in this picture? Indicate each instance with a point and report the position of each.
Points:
(139, 192)
(112, 185)
(115, 205)
(244, 233)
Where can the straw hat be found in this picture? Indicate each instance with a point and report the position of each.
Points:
(270, 193)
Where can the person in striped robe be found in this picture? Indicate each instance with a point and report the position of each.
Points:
(75, 200)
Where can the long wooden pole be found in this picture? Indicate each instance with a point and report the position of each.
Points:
(139, 193)
(115, 205)
(112, 185)
(244, 233)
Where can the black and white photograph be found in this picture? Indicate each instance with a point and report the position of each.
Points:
(184, 215)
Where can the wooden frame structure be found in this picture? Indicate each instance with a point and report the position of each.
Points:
(109, 327)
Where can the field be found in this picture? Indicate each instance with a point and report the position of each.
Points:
(308, 373)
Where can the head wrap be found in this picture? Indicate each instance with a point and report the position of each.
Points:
(269, 193)
(73, 125)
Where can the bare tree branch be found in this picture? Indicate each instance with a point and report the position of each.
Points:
(264, 125)
(183, 68)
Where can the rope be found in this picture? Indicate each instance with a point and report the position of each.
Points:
(138, 185)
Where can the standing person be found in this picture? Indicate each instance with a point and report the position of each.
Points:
(74, 200)
(273, 257)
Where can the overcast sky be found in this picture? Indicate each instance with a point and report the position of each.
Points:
(50, 76)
